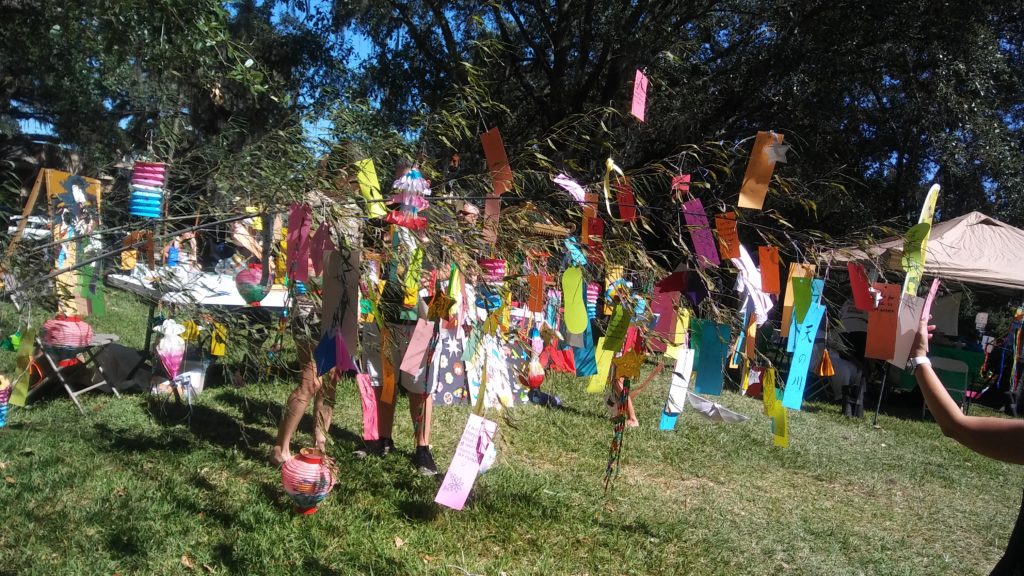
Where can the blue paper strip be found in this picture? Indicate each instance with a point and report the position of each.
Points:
(714, 350)
(803, 336)
(325, 354)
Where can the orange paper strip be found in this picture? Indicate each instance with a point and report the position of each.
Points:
(501, 180)
(795, 271)
(882, 323)
(728, 238)
(769, 260)
(536, 300)
(759, 171)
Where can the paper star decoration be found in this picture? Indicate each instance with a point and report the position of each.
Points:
(628, 365)
(453, 346)
(440, 307)
(777, 152)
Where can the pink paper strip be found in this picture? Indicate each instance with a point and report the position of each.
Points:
(317, 247)
(703, 241)
(572, 187)
(343, 360)
(932, 292)
(299, 221)
(417, 349)
(465, 467)
(369, 401)
(639, 95)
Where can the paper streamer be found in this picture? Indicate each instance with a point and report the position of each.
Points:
(703, 241)
(780, 426)
(759, 171)
(501, 180)
(572, 187)
(768, 258)
(728, 238)
(618, 327)
(913, 256)
(795, 271)
(603, 359)
(573, 292)
(862, 299)
(711, 357)
(626, 201)
(368, 399)
(609, 168)
(639, 105)
(369, 188)
(803, 337)
(926, 310)
(476, 441)
(678, 389)
(416, 351)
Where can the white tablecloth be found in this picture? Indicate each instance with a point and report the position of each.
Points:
(178, 286)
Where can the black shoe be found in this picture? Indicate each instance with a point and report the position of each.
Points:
(424, 461)
(387, 446)
(375, 448)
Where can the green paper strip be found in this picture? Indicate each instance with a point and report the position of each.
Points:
(24, 357)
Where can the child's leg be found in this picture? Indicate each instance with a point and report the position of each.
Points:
(308, 386)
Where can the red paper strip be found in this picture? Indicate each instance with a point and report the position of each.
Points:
(882, 323)
(681, 183)
(626, 201)
(536, 301)
(862, 299)
(769, 259)
(728, 238)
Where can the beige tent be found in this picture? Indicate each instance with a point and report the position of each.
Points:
(972, 248)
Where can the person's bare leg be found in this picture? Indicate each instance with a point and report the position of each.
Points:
(631, 419)
(421, 408)
(323, 410)
(308, 386)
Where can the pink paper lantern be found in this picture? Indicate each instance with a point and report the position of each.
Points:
(307, 480)
(250, 286)
(493, 269)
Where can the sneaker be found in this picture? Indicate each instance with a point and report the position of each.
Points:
(375, 448)
(424, 461)
(370, 448)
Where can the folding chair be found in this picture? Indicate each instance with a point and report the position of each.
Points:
(87, 358)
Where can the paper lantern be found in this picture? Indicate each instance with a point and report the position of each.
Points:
(65, 337)
(147, 189)
(249, 283)
(535, 373)
(171, 348)
(307, 480)
(411, 191)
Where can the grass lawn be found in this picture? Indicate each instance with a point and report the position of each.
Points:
(139, 486)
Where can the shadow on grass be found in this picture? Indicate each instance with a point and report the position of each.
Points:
(263, 412)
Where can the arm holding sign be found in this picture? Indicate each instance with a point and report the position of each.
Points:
(998, 438)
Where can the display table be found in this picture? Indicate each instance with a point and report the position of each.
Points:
(181, 287)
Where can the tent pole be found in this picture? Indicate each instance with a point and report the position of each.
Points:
(881, 391)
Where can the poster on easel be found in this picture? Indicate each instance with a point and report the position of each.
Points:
(73, 203)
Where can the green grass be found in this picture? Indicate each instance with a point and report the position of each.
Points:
(137, 485)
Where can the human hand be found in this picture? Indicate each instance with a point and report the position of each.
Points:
(924, 334)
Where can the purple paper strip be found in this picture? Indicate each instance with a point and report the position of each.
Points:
(700, 233)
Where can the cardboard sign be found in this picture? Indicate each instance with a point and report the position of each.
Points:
(768, 257)
(883, 322)
(703, 241)
(728, 238)
(639, 106)
(759, 171)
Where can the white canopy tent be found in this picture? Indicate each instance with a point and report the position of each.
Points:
(973, 248)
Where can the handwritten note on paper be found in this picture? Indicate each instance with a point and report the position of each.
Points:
(803, 347)
(883, 322)
(728, 239)
(795, 271)
(759, 171)
(476, 440)
(419, 343)
(768, 257)
(677, 390)
(700, 233)
(914, 256)
(639, 107)
(862, 299)
(712, 355)
(369, 188)
(572, 187)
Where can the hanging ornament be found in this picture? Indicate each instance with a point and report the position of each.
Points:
(171, 348)
(825, 369)
(147, 189)
(535, 372)
(411, 191)
(252, 284)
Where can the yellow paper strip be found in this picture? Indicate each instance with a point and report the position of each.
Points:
(603, 358)
(369, 187)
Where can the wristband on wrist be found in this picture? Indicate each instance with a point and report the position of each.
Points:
(916, 361)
